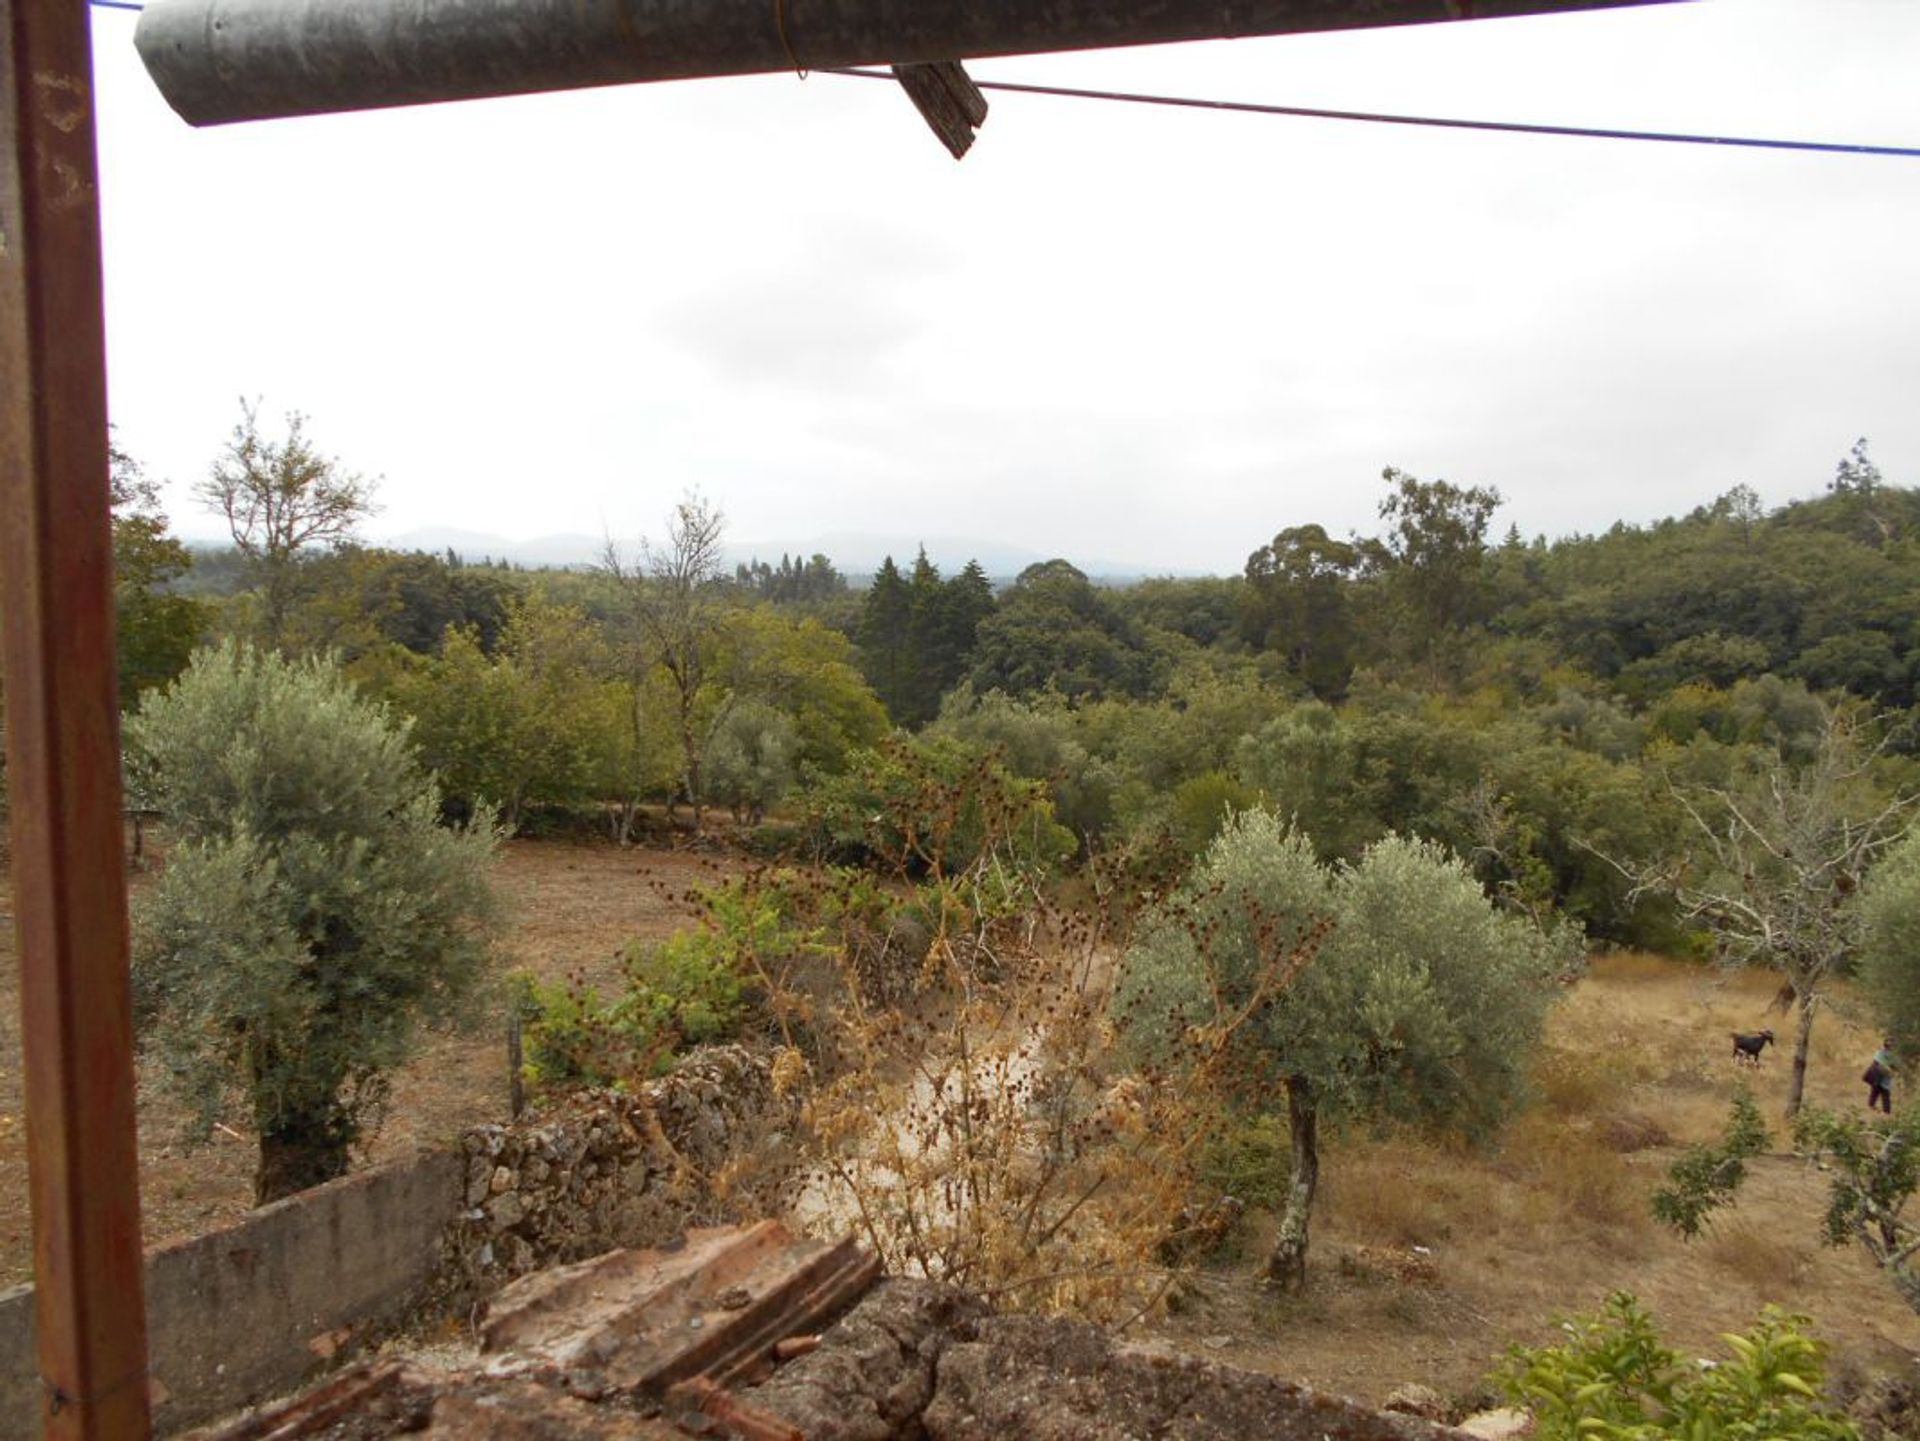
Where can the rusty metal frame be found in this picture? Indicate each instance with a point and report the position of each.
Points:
(63, 741)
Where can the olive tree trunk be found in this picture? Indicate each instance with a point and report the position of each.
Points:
(1287, 1265)
(300, 1151)
(1806, 998)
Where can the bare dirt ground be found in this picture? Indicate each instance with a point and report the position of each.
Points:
(1547, 1220)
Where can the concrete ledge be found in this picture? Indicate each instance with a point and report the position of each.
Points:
(246, 1312)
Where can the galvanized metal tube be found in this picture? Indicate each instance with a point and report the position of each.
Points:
(69, 869)
(224, 60)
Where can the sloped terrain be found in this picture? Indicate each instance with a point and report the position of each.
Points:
(1428, 1261)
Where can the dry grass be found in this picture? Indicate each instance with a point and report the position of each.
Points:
(1397, 1192)
(1765, 1261)
(1553, 1215)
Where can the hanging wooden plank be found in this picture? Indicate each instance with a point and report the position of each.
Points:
(947, 100)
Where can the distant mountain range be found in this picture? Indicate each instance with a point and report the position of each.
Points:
(854, 554)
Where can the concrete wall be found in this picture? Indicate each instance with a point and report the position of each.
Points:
(247, 1312)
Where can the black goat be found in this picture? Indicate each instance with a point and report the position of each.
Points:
(1747, 1047)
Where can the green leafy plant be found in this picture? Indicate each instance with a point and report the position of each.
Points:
(1706, 1177)
(574, 1037)
(1876, 1170)
(1613, 1379)
(695, 988)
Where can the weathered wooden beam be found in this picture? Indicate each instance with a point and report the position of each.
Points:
(224, 60)
(63, 744)
(947, 100)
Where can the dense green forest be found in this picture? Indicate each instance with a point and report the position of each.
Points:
(1539, 706)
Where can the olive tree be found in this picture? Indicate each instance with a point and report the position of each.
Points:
(313, 912)
(1418, 1001)
(1889, 908)
(674, 614)
(750, 760)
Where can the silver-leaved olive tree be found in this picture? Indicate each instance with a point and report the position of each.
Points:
(1417, 999)
(313, 914)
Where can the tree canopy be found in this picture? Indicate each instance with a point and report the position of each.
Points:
(1388, 988)
(313, 912)
(282, 500)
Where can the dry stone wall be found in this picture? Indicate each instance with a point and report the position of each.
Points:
(616, 1168)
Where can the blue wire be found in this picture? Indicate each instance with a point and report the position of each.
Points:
(116, 4)
(1245, 107)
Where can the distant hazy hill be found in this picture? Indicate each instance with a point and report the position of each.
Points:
(854, 554)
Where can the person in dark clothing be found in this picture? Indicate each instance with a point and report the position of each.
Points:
(1879, 1079)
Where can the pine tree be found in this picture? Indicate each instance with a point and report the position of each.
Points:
(885, 638)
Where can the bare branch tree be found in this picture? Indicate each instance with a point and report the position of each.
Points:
(280, 498)
(1774, 864)
(677, 621)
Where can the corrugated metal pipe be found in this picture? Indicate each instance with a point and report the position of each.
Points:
(218, 61)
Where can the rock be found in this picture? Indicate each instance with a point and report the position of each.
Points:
(873, 1373)
(1055, 1380)
(1502, 1424)
(1412, 1399)
(918, 1358)
(506, 1211)
(502, 1180)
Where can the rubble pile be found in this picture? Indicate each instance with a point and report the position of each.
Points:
(730, 1334)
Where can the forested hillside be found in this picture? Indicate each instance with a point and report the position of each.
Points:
(1536, 705)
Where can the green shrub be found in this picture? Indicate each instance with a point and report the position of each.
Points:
(690, 982)
(1612, 1379)
(1247, 1159)
(1706, 1177)
(695, 988)
(935, 807)
(575, 1038)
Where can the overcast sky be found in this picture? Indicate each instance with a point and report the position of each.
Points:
(1129, 335)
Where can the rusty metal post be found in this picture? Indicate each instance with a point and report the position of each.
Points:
(69, 872)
